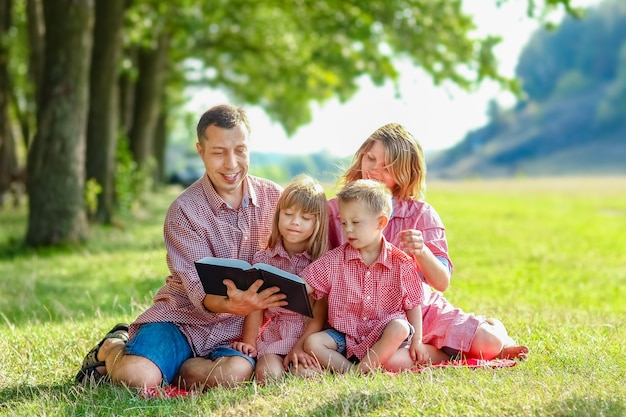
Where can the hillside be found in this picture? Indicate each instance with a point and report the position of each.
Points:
(572, 118)
(559, 137)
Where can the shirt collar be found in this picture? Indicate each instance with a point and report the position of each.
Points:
(384, 258)
(280, 251)
(217, 202)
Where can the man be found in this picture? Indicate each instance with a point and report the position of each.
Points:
(226, 213)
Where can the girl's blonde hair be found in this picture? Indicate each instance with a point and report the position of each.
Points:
(307, 195)
(404, 158)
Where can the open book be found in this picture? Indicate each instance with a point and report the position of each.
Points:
(213, 271)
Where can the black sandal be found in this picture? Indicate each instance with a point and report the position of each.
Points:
(88, 372)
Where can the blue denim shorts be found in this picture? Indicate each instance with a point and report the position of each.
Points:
(339, 338)
(162, 343)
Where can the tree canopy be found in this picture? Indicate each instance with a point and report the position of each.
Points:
(281, 56)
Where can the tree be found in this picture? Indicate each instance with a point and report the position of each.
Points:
(8, 160)
(103, 117)
(56, 161)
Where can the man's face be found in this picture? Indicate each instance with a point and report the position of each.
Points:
(226, 158)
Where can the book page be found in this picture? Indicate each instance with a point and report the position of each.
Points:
(278, 271)
(233, 263)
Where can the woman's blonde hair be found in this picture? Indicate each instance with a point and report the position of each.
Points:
(404, 158)
(307, 195)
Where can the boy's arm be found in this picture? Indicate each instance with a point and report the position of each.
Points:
(417, 349)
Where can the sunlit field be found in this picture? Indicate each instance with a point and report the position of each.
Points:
(545, 256)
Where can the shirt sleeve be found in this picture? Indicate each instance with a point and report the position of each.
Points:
(316, 275)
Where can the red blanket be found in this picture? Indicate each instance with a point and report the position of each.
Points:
(175, 392)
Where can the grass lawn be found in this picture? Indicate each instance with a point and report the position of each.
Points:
(547, 257)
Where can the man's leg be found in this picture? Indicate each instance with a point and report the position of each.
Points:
(152, 357)
(223, 366)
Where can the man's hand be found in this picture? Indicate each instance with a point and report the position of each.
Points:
(245, 302)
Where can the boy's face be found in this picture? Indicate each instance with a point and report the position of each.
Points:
(225, 157)
(360, 226)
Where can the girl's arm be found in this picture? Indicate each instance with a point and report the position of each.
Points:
(250, 333)
(297, 356)
(436, 274)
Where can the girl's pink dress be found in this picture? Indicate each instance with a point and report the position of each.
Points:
(281, 327)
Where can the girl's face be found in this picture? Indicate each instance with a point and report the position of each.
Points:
(296, 228)
(373, 166)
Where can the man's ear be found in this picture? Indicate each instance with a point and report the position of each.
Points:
(382, 221)
(199, 148)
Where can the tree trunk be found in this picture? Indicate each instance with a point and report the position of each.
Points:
(160, 144)
(56, 161)
(103, 118)
(8, 157)
(148, 97)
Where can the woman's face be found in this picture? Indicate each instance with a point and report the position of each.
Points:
(373, 166)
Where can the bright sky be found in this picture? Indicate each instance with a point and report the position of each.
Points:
(438, 116)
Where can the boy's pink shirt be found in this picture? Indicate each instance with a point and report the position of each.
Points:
(363, 299)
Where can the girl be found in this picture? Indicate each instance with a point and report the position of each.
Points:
(391, 155)
(299, 236)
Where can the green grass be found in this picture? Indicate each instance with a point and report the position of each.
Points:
(545, 256)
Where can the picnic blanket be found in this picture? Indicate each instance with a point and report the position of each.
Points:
(171, 391)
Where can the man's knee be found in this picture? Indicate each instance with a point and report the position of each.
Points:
(135, 371)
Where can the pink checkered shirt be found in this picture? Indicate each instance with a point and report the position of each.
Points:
(363, 299)
(199, 224)
(282, 328)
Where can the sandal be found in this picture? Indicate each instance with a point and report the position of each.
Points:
(88, 372)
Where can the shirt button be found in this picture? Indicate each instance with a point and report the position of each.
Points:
(245, 238)
(364, 318)
(368, 298)
(367, 274)
(362, 337)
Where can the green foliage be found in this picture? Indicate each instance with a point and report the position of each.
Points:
(556, 283)
(132, 183)
(92, 190)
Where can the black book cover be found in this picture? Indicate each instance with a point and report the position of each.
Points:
(212, 271)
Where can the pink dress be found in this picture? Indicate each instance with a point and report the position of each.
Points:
(363, 299)
(281, 327)
(443, 325)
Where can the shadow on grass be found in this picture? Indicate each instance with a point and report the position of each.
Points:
(585, 406)
(356, 403)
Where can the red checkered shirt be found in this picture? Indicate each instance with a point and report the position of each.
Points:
(199, 224)
(363, 299)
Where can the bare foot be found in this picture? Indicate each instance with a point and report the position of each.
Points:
(510, 349)
(514, 352)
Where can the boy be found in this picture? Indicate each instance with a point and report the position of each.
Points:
(373, 290)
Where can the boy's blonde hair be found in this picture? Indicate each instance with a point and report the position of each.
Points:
(374, 194)
(307, 195)
(404, 158)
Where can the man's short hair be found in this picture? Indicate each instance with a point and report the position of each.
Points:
(224, 116)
